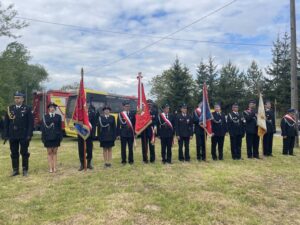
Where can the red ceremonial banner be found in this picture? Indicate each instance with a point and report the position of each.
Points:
(143, 117)
(80, 115)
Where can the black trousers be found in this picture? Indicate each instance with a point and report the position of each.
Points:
(200, 147)
(236, 146)
(17, 147)
(252, 141)
(166, 149)
(186, 142)
(147, 146)
(288, 145)
(268, 144)
(89, 149)
(217, 140)
(127, 141)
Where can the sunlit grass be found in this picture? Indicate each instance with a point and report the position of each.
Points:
(218, 192)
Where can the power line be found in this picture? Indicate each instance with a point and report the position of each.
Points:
(92, 30)
(163, 38)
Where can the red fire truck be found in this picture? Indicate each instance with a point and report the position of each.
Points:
(42, 99)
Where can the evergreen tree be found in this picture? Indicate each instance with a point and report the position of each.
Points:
(279, 74)
(175, 86)
(231, 87)
(206, 73)
(254, 81)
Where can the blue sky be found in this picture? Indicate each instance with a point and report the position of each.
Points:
(64, 50)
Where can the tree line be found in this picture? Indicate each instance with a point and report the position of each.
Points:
(228, 84)
(16, 71)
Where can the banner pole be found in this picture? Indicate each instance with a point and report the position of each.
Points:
(84, 155)
(205, 144)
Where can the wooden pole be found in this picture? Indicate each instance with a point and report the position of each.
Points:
(84, 141)
(84, 155)
(294, 80)
(205, 144)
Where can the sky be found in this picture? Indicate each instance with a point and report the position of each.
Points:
(103, 32)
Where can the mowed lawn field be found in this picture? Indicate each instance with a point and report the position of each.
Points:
(249, 192)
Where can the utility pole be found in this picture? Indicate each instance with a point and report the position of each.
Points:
(294, 80)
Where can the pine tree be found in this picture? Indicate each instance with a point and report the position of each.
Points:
(175, 86)
(231, 87)
(279, 73)
(254, 80)
(206, 73)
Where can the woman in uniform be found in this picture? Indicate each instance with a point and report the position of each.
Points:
(107, 134)
(52, 135)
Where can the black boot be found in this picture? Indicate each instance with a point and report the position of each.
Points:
(25, 166)
(15, 166)
(89, 165)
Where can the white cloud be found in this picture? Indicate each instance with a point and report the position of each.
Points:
(64, 50)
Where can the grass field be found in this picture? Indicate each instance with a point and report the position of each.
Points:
(218, 192)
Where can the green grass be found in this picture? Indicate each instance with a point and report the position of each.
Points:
(218, 192)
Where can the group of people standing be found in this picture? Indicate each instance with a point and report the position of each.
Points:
(18, 129)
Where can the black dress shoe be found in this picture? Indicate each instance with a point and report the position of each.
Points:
(25, 173)
(81, 168)
(15, 173)
(90, 166)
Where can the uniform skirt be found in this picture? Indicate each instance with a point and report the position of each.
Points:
(52, 144)
(107, 144)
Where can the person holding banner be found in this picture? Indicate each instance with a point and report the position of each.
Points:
(288, 132)
(166, 132)
(236, 129)
(271, 129)
(252, 139)
(107, 134)
(83, 127)
(184, 132)
(89, 140)
(219, 129)
(148, 136)
(52, 135)
(200, 135)
(125, 132)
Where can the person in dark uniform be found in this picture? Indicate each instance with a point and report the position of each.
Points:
(288, 132)
(18, 128)
(166, 132)
(252, 139)
(184, 132)
(236, 129)
(89, 140)
(148, 136)
(200, 135)
(271, 129)
(107, 134)
(219, 129)
(2, 126)
(52, 135)
(125, 132)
